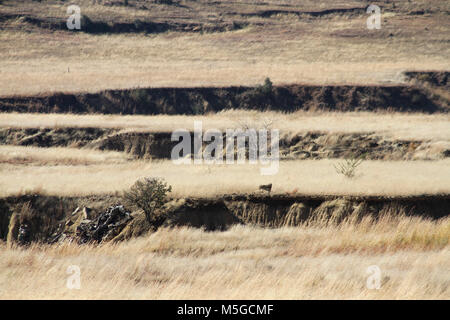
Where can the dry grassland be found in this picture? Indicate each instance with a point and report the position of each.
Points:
(317, 259)
(306, 262)
(130, 61)
(286, 48)
(309, 177)
(59, 156)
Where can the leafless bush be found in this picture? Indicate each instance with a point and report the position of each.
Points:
(348, 167)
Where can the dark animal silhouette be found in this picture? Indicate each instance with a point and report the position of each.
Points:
(266, 187)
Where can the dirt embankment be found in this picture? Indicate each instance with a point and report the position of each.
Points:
(61, 137)
(433, 78)
(48, 219)
(158, 145)
(91, 26)
(299, 13)
(205, 100)
(175, 17)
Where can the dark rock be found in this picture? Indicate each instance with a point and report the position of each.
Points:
(23, 237)
(105, 226)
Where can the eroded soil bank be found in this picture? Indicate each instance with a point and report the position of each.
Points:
(100, 27)
(158, 145)
(49, 219)
(290, 98)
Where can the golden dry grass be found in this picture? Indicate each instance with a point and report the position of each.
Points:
(395, 125)
(120, 62)
(59, 156)
(243, 263)
(316, 260)
(287, 49)
(310, 177)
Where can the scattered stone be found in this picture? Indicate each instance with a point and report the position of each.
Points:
(105, 227)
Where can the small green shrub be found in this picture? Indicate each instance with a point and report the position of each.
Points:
(148, 194)
(258, 97)
(267, 87)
